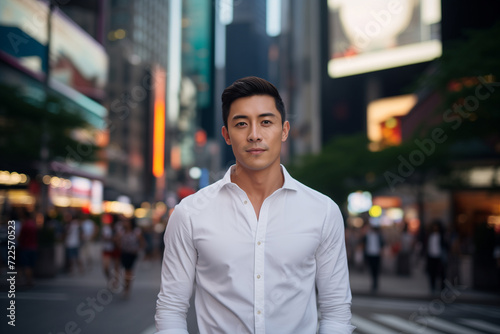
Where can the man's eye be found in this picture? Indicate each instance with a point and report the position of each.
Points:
(239, 124)
(266, 122)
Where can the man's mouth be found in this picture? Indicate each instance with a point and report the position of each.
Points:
(255, 150)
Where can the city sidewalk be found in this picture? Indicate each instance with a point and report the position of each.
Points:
(146, 273)
(416, 286)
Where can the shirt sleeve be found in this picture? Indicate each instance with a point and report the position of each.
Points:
(177, 275)
(332, 276)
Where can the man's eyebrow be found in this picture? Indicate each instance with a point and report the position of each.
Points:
(239, 117)
(270, 114)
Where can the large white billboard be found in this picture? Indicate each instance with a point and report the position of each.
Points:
(77, 60)
(371, 35)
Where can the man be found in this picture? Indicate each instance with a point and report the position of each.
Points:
(257, 243)
(373, 244)
(89, 232)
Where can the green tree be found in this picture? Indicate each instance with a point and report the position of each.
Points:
(467, 79)
(344, 165)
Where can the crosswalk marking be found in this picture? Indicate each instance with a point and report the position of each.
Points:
(447, 326)
(480, 324)
(406, 326)
(368, 326)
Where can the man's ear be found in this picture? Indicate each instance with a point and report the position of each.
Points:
(225, 134)
(285, 131)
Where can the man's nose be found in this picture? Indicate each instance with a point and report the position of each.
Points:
(254, 134)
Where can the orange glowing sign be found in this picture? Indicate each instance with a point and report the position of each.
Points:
(159, 123)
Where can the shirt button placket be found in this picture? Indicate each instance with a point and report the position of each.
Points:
(260, 326)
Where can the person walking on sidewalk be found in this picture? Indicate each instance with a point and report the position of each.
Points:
(437, 253)
(373, 245)
(257, 243)
(405, 254)
(111, 249)
(89, 232)
(28, 246)
(73, 241)
(131, 242)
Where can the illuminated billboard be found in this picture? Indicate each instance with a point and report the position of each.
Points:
(159, 121)
(76, 59)
(366, 36)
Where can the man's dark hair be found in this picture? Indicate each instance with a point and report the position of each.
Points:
(250, 86)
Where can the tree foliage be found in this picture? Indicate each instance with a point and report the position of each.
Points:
(344, 165)
(467, 78)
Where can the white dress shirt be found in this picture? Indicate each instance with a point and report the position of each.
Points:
(255, 275)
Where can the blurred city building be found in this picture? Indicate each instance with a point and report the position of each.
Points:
(298, 51)
(137, 43)
(160, 99)
(64, 72)
(194, 153)
(371, 58)
(245, 50)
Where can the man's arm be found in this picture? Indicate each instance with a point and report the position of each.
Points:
(177, 275)
(332, 276)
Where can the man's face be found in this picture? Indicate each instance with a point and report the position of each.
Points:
(255, 132)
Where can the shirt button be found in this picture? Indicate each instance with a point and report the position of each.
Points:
(258, 243)
(258, 276)
(245, 202)
(258, 312)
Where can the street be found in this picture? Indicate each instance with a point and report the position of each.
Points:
(85, 304)
(390, 316)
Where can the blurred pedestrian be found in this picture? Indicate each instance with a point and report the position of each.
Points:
(110, 250)
(131, 242)
(373, 245)
(404, 256)
(53, 223)
(264, 252)
(454, 245)
(28, 246)
(89, 232)
(437, 249)
(72, 242)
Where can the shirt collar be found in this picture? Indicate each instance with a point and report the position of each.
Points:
(290, 183)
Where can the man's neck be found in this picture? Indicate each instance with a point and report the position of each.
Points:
(258, 185)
